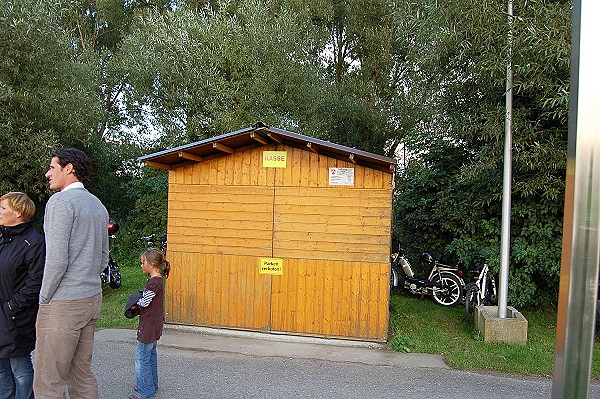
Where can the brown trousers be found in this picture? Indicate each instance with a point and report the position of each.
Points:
(63, 352)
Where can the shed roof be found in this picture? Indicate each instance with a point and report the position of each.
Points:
(257, 135)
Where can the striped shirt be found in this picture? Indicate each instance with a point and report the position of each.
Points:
(146, 298)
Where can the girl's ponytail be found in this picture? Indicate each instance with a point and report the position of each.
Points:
(165, 269)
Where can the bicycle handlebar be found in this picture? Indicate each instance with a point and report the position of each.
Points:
(153, 237)
(155, 240)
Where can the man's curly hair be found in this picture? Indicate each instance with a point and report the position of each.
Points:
(82, 166)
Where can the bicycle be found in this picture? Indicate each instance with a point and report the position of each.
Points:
(480, 292)
(155, 241)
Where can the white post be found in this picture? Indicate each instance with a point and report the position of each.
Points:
(507, 179)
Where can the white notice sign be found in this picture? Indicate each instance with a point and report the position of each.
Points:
(341, 176)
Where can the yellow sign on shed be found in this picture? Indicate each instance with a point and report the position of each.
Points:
(274, 159)
(271, 266)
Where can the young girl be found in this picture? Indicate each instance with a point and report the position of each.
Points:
(151, 307)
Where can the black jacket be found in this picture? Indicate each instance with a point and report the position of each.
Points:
(131, 308)
(22, 256)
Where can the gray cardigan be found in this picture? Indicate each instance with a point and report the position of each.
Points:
(75, 227)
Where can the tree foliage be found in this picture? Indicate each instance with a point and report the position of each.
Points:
(359, 58)
(202, 73)
(423, 81)
(45, 96)
(459, 56)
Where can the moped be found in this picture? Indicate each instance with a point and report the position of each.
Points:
(111, 274)
(444, 283)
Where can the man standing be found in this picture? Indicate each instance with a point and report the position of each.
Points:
(75, 227)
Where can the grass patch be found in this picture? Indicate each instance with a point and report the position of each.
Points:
(114, 300)
(425, 327)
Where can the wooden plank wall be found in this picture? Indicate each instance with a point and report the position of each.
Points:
(226, 213)
(331, 299)
(347, 224)
(220, 223)
(217, 290)
(336, 242)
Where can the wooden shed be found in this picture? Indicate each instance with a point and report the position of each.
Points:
(273, 231)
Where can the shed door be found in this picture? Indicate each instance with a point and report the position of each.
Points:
(335, 280)
(216, 237)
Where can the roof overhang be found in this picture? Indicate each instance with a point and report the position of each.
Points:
(259, 135)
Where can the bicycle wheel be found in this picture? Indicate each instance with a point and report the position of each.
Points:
(471, 300)
(394, 280)
(450, 293)
(491, 296)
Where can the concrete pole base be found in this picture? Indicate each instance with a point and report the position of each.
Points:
(511, 330)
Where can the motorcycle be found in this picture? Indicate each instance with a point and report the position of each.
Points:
(444, 282)
(111, 275)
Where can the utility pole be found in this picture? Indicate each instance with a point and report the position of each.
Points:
(507, 179)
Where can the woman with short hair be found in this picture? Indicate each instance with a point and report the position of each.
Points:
(22, 253)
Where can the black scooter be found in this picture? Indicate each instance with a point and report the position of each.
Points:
(444, 283)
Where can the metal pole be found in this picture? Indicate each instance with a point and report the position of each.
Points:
(507, 180)
(581, 227)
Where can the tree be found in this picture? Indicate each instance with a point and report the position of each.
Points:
(120, 78)
(56, 91)
(43, 92)
(458, 56)
(203, 73)
(359, 56)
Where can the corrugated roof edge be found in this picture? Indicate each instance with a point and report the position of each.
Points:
(195, 144)
(333, 145)
(282, 132)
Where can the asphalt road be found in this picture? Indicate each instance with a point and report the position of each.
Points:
(207, 363)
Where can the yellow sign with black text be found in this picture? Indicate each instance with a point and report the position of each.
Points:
(274, 159)
(271, 266)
